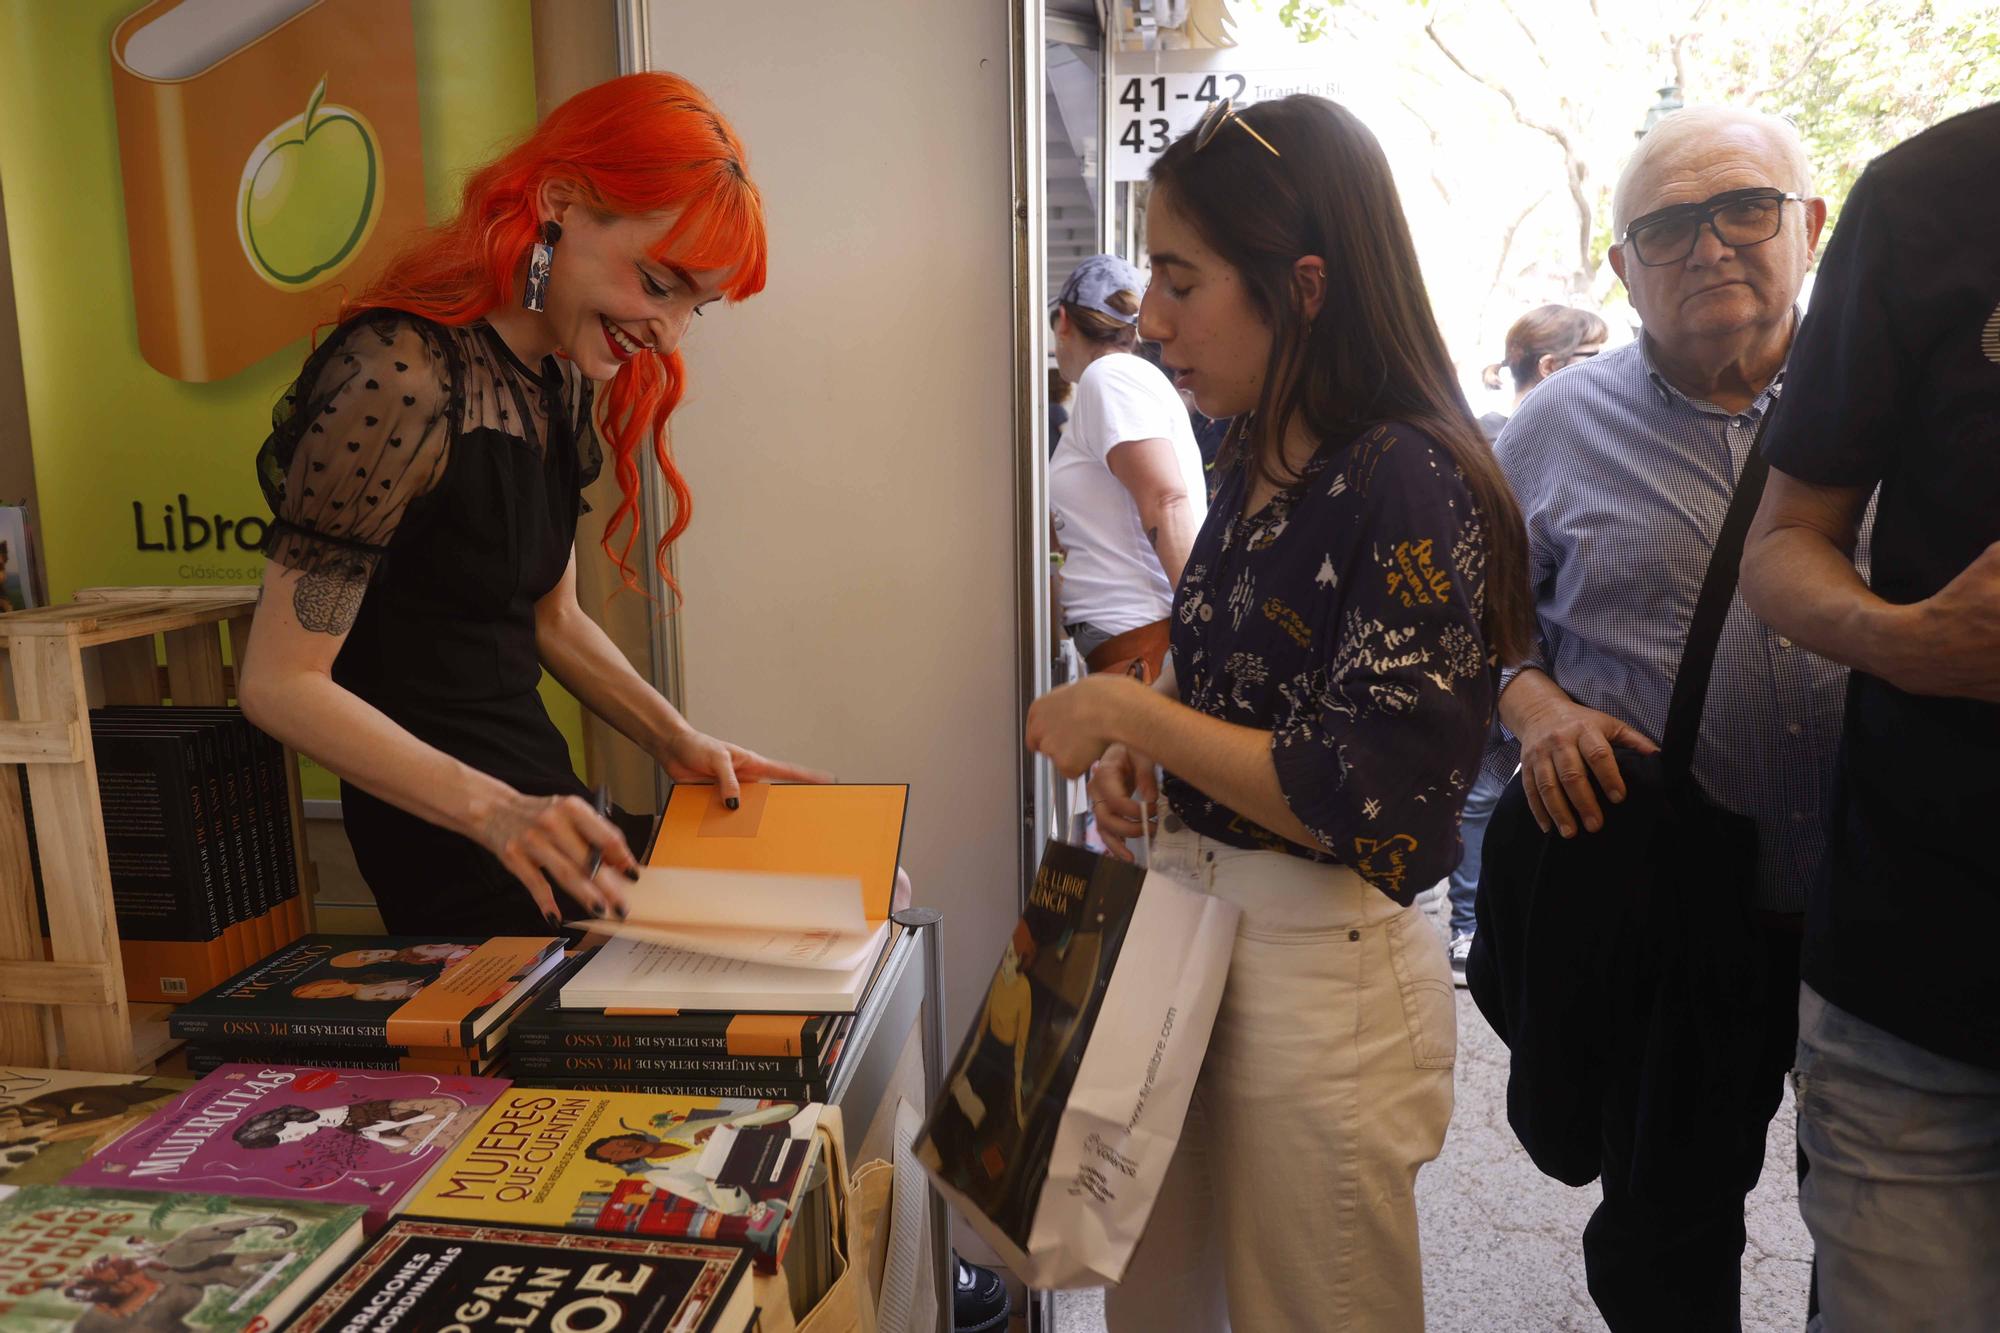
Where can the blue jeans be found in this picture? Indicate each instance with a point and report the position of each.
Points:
(1479, 803)
(1903, 1198)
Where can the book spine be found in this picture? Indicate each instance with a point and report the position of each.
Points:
(758, 1068)
(784, 1091)
(559, 1038)
(243, 879)
(270, 760)
(318, 1032)
(250, 806)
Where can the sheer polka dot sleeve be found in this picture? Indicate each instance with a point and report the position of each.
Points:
(356, 445)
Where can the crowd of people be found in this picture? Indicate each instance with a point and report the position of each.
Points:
(1730, 838)
(1735, 833)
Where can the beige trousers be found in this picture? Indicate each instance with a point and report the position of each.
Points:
(1291, 1204)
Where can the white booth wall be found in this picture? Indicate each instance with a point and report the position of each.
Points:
(851, 570)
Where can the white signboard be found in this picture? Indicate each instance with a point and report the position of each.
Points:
(1150, 111)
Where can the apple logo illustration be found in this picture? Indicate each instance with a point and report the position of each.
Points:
(310, 195)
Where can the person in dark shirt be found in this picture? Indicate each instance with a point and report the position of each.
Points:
(1895, 382)
(1336, 634)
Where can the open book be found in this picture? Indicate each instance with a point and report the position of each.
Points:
(779, 905)
(809, 921)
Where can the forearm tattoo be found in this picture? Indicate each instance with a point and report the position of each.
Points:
(327, 603)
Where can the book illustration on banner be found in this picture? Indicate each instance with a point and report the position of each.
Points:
(427, 1275)
(373, 991)
(779, 905)
(267, 148)
(992, 1129)
(332, 1136)
(631, 1164)
(100, 1260)
(52, 1119)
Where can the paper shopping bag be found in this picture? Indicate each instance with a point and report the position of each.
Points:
(1057, 1120)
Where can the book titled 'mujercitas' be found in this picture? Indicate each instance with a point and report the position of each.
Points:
(630, 1163)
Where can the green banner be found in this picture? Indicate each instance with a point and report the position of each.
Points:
(190, 188)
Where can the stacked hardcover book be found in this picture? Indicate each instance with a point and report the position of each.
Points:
(416, 1005)
(694, 1053)
(198, 831)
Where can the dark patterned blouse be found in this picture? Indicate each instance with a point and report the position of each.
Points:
(1344, 618)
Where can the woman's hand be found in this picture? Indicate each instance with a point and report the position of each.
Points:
(1077, 723)
(692, 756)
(1124, 790)
(540, 838)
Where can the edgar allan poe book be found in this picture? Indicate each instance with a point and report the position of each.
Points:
(288, 1131)
(102, 1259)
(372, 990)
(464, 1276)
(631, 1164)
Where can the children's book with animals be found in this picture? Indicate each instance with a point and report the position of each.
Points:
(289, 1131)
(105, 1259)
(373, 990)
(631, 1164)
(452, 1275)
(52, 1119)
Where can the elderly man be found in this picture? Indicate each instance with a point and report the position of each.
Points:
(1625, 467)
(1899, 1022)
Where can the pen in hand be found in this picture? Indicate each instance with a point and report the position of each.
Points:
(600, 802)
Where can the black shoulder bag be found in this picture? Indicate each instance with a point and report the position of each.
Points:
(1613, 959)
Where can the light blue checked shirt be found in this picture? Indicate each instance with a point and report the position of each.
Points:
(1624, 481)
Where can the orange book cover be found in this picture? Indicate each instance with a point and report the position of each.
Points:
(844, 829)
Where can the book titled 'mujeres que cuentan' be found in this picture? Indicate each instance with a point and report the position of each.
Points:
(631, 1164)
(362, 990)
(330, 1136)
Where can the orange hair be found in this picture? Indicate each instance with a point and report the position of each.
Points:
(643, 143)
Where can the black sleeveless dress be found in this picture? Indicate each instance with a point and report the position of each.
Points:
(431, 462)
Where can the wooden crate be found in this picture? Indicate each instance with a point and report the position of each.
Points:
(101, 649)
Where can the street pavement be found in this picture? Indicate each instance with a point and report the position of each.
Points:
(1502, 1251)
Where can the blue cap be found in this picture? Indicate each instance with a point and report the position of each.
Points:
(1092, 282)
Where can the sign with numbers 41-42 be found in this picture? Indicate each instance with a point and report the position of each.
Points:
(1150, 111)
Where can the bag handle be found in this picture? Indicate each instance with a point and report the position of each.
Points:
(1718, 590)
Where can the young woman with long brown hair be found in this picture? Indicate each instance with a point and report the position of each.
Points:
(426, 473)
(1336, 642)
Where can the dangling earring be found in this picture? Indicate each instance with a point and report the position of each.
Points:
(541, 259)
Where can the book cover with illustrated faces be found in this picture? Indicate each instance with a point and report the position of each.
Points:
(292, 1131)
(272, 158)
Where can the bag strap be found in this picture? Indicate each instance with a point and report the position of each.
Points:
(1718, 590)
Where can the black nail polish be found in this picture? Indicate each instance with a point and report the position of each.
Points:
(600, 911)
(623, 913)
(731, 802)
(632, 873)
(552, 919)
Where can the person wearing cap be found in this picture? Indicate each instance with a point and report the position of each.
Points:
(1125, 483)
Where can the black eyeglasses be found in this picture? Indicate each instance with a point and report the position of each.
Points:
(1220, 114)
(1739, 218)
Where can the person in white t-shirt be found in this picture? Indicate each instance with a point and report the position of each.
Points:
(1125, 484)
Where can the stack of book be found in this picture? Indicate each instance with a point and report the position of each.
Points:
(198, 831)
(694, 1053)
(417, 1005)
(752, 938)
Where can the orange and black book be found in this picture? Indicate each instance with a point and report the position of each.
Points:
(165, 873)
(373, 991)
(224, 821)
(545, 1026)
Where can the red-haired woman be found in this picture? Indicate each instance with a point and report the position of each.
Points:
(425, 472)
